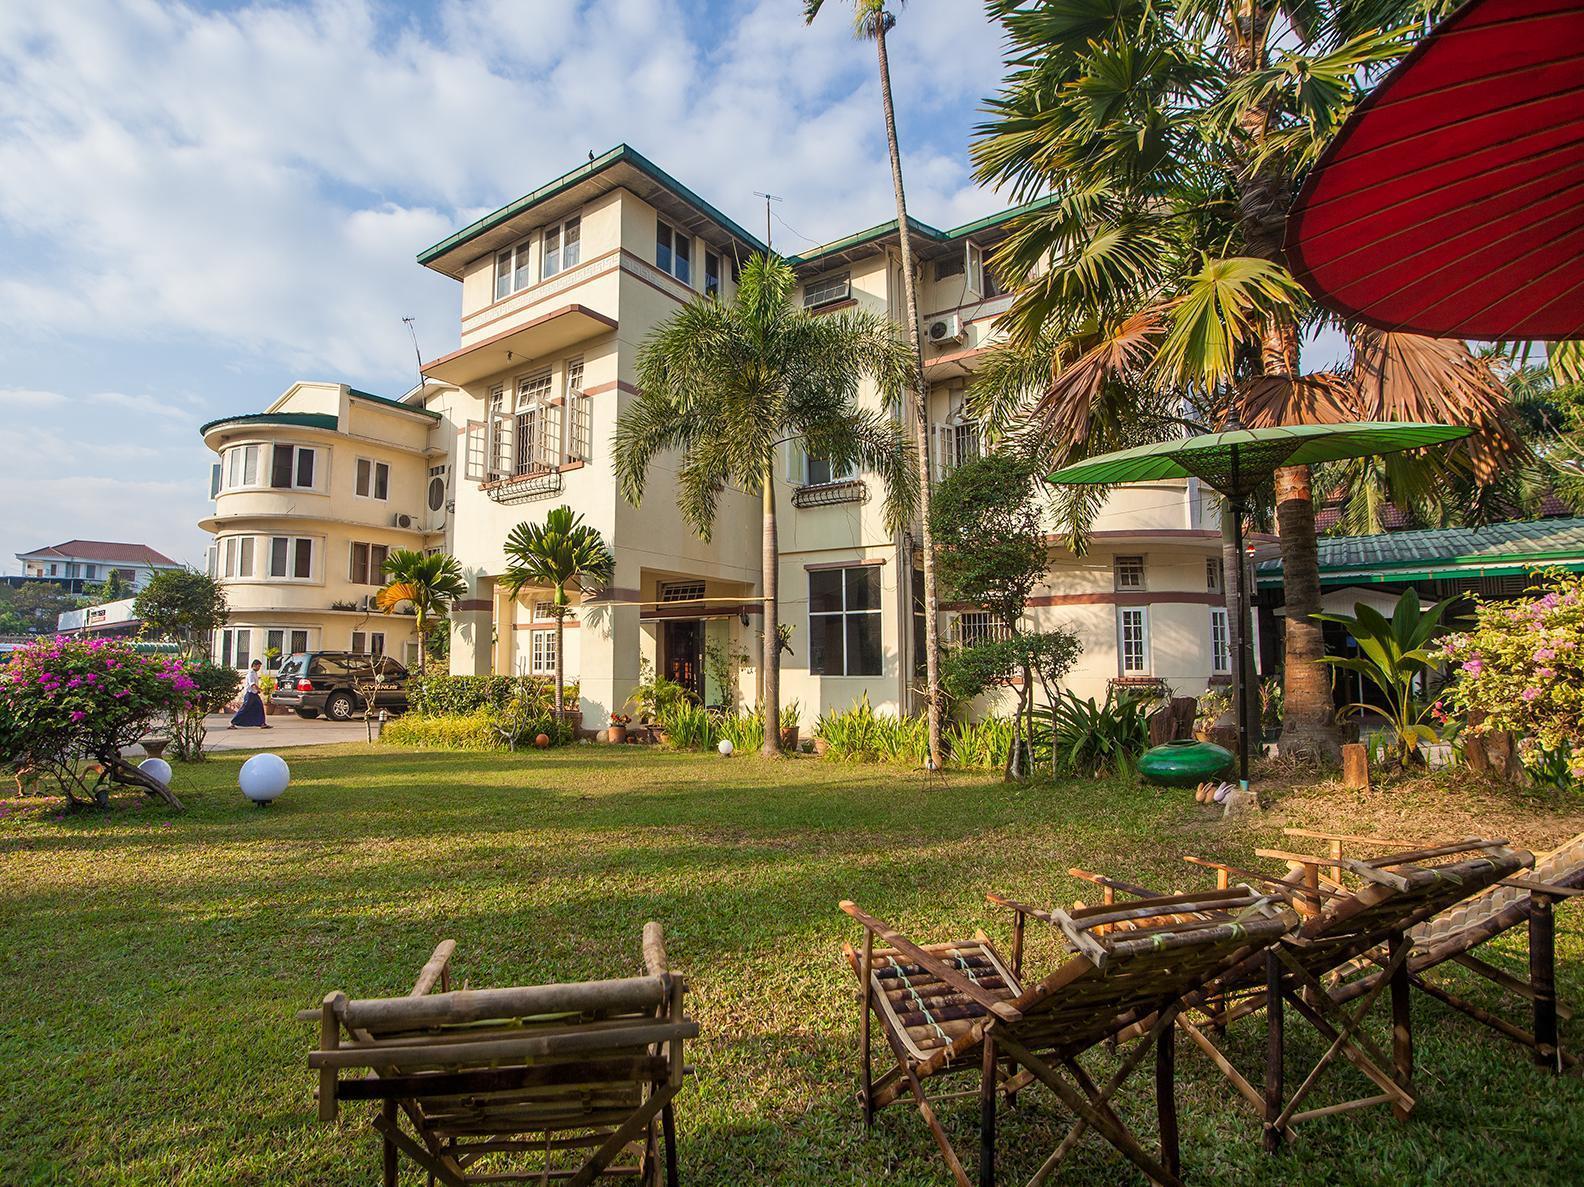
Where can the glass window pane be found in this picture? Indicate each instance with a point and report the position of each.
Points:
(250, 465)
(274, 642)
(305, 467)
(278, 547)
(363, 468)
(520, 276)
(304, 562)
(381, 481)
(571, 242)
(684, 258)
(825, 593)
(299, 642)
(863, 645)
(357, 571)
(552, 252)
(245, 558)
(225, 648)
(663, 247)
(244, 643)
(281, 466)
(825, 645)
(503, 274)
(863, 588)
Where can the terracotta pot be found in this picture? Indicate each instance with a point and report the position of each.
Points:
(662, 737)
(789, 738)
(820, 746)
(617, 734)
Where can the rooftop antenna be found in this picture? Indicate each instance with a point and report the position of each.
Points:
(769, 198)
(417, 354)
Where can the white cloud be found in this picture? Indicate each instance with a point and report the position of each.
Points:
(224, 194)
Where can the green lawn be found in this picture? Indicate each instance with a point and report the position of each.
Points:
(152, 961)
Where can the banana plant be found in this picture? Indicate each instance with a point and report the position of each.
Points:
(1394, 653)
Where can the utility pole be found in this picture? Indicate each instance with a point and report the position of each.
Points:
(417, 354)
(769, 198)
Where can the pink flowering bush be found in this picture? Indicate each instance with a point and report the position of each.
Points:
(64, 700)
(1521, 669)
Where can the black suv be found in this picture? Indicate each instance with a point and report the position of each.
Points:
(315, 682)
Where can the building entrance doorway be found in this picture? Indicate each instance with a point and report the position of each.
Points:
(682, 646)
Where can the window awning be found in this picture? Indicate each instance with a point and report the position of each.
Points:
(540, 338)
(1451, 203)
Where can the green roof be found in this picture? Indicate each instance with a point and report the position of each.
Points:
(302, 420)
(621, 153)
(887, 229)
(1499, 549)
(371, 398)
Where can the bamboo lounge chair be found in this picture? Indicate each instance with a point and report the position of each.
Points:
(548, 1073)
(1455, 933)
(1346, 922)
(959, 1007)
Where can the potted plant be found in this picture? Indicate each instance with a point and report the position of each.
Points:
(789, 726)
(268, 682)
(617, 733)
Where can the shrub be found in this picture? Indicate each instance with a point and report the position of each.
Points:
(69, 698)
(859, 734)
(1092, 738)
(986, 743)
(1522, 669)
(688, 726)
(217, 686)
(441, 693)
(443, 731)
(745, 731)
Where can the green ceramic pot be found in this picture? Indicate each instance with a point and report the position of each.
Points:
(1185, 763)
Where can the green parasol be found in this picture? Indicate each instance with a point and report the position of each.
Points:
(1235, 463)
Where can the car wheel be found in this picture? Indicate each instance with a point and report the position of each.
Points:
(307, 714)
(340, 706)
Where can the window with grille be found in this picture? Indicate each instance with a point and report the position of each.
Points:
(1220, 647)
(1133, 641)
(681, 591)
(511, 270)
(844, 622)
(537, 427)
(979, 626)
(563, 245)
(1129, 571)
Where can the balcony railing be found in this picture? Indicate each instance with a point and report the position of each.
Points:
(828, 494)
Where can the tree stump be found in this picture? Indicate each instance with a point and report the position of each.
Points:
(1355, 766)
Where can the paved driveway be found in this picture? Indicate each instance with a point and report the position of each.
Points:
(287, 730)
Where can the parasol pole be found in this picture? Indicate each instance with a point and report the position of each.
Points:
(1245, 653)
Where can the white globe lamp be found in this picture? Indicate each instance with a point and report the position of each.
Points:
(156, 768)
(725, 748)
(263, 777)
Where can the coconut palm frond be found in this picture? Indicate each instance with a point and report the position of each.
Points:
(1222, 310)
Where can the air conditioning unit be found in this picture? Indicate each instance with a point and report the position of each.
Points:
(366, 603)
(402, 520)
(944, 331)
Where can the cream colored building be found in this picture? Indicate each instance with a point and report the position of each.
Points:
(310, 495)
(558, 291)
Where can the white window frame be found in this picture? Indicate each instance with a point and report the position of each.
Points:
(536, 425)
(681, 263)
(371, 480)
(1220, 642)
(293, 546)
(1140, 614)
(238, 461)
(566, 253)
(691, 590)
(1123, 571)
(827, 289)
(1215, 574)
(579, 446)
(368, 643)
(367, 574)
(296, 482)
(713, 285)
(807, 462)
(844, 614)
(519, 271)
(228, 654)
(541, 652)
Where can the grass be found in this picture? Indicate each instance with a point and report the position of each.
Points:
(153, 961)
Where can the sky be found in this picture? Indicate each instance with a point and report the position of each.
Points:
(200, 205)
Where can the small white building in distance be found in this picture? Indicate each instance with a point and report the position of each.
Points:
(95, 560)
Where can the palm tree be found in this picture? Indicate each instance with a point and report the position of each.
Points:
(562, 553)
(728, 384)
(872, 20)
(1171, 136)
(429, 582)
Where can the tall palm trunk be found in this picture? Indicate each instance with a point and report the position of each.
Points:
(921, 425)
(422, 623)
(1308, 720)
(771, 560)
(560, 664)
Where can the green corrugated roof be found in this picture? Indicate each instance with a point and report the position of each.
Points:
(371, 398)
(886, 229)
(582, 173)
(302, 420)
(1406, 556)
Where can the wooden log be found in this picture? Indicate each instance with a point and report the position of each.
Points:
(1355, 766)
(434, 970)
(388, 1147)
(1166, 1099)
(1542, 979)
(654, 950)
(329, 1040)
(987, 1115)
(1274, 1021)
(557, 1046)
(629, 994)
(585, 1075)
(1402, 1017)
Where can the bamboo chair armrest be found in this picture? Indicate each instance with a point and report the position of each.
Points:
(1287, 889)
(654, 950)
(1313, 835)
(1114, 884)
(934, 964)
(1538, 887)
(436, 970)
(1018, 908)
